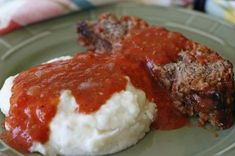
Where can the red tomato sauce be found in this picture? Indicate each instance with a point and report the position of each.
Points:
(155, 43)
(168, 117)
(92, 79)
(162, 47)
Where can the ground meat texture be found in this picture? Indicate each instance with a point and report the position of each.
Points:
(107, 32)
(201, 83)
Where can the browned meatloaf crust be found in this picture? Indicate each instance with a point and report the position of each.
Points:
(200, 89)
(107, 31)
(200, 81)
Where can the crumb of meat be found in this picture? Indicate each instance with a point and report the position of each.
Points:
(106, 33)
(201, 83)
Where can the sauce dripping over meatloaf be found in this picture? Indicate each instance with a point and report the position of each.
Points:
(162, 47)
(92, 79)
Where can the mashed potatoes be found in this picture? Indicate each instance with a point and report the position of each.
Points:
(119, 123)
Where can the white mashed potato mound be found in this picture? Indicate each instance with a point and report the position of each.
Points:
(119, 123)
(5, 95)
(62, 58)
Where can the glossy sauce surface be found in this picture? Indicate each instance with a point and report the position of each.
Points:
(155, 43)
(92, 79)
(160, 46)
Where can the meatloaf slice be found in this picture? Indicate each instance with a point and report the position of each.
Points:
(107, 32)
(201, 83)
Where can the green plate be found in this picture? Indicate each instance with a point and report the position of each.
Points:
(40, 42)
